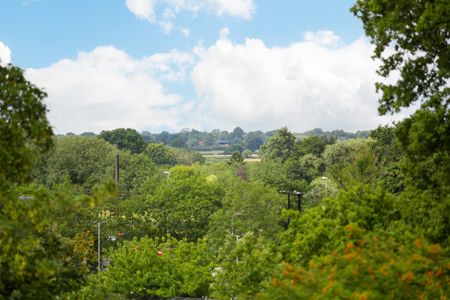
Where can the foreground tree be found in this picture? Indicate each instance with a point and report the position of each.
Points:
(358, 269)
(411, 37)
(40, 255)
(24, 129)
(418, 32)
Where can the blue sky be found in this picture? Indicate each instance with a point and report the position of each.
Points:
(171, 64)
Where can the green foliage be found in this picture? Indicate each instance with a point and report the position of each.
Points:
(411, 37)
(32, 250)
(306, 168)
(387, 157)
(178, 140)
(136, 170)
(350, 162)
(418, 32)
(187, 157)
(160, 154)
(125, 139)
(238, 133)
(425, 140)
(24, 128)
(280, 147)
(320, 229)
(368, 267)
(246, 206)
(234, 148)
(183, 203)
(235, 159)
(44, 251)
(427, 214)
(254, 140)
(162, 267)
(81, 160)
(244, 266)
(315, 145)
(319, 188)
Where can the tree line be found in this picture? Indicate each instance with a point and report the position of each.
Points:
(235, 141)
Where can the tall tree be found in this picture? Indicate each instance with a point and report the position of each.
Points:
(254, 140)
(411, 37)
(280, 146)
(23, 124)
(160, 154)
(125, 139)
(80, 160)
(315, 144)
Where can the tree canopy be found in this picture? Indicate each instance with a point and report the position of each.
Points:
(125, 139)
(411, 37)
(24, 129)
(279, 146)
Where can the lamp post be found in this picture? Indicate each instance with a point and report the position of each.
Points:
(233, 230)
(99, 246)
(299, 200)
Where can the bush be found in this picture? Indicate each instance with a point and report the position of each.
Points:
(368, 267)
(160, 268)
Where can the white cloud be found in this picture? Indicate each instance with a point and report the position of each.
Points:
(313, 83)
(143, 9)
(317, 82)
(322, 37)
(106, 89)
(237, 8)
(147, 10)
(5, 54)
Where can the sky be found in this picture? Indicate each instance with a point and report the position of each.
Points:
(156, 65)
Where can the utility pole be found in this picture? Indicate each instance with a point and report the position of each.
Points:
(99, 249)
(288, 206)
(116, 173)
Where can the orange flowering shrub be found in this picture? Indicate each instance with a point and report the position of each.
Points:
(368, 267)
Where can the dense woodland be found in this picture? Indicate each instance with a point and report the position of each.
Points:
(373, 220)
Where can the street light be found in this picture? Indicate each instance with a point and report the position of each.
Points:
(299, 202)
(233, 230)
(99, 247)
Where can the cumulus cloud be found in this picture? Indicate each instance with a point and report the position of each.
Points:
(146, 9)
(143, 9)
(106, 89)
(5, 54)
(308, 84)
(316, 82)
(322, 37)
(239, 8)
